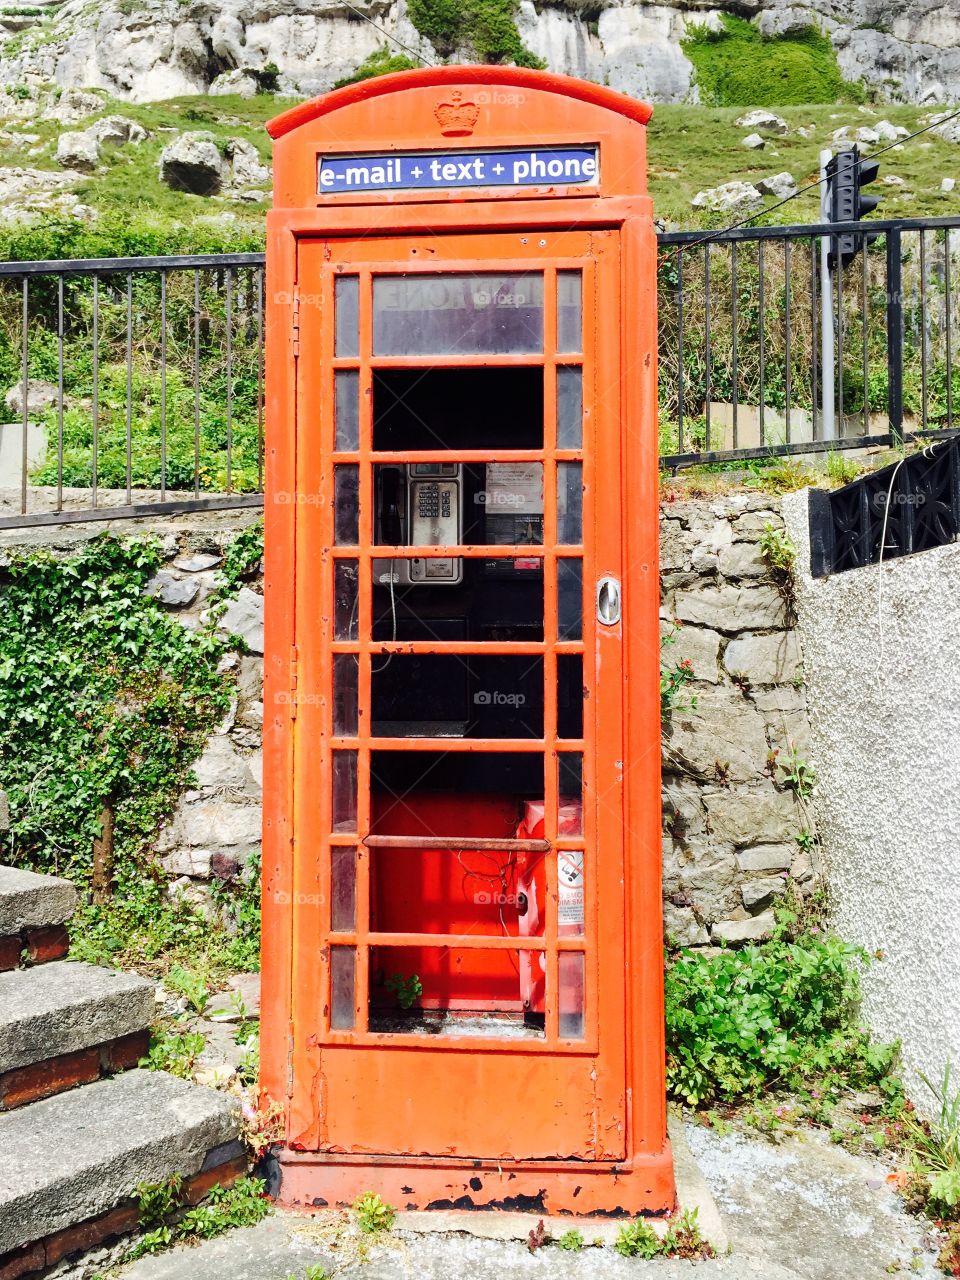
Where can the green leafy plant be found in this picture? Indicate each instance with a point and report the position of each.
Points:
(372, 1214)
(379, 63)
(487, 27)
(191, 986)
(157, 1200)
(241, 1205)
(781, 1013)
(936, 1146)
(407, 990)
(637, 1240)
(675, 679)
(174, 1051)
(778, 549)
(841, 470)
(798, 775)
(571, 1241)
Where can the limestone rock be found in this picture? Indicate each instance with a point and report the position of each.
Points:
(763, 121)
(758, 894)
(729, 608)
(697, 645)
(682, 928)
(72, 106)
(244, 617)
(222, 768)
(742, 560)
(174, 592)
(720, 739)
(752, 817)
(197, 563)
(246, 167)
(947, 184)
(192, 162)
(40, 396)
(78, 151)
(117, 130)
(753, 142)
(753, 929)
(766, 857)
(242, 83)
(780, 185)
(766, 659)
(729, 197)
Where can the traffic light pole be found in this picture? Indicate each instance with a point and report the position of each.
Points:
(828, 424)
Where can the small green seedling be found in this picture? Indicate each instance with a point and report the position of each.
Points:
(571, 1241)
(407, 990)
(373, 1215)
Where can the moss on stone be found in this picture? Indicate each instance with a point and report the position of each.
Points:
(738, 67)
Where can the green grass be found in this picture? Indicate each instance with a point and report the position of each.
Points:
(737, 67)
(691, 148)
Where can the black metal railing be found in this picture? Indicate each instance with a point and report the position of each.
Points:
(136, 384)
(741, 316)
(135, 387)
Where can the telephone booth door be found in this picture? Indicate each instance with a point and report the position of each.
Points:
(458, 806)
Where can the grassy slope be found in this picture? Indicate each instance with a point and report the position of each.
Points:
(690, 148)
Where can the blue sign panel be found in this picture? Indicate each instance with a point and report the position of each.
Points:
(545, 166)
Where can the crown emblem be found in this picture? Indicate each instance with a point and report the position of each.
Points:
(457, 118)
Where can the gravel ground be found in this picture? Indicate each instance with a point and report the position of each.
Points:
(797, 1210)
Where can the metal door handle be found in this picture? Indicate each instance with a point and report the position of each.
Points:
(608, 601)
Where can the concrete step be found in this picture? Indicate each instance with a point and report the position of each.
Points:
(71, 1164)
(33, 913)
(66, 1023)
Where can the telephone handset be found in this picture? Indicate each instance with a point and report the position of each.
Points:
(419, 504)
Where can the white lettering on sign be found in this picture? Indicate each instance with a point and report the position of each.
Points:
(545, 166)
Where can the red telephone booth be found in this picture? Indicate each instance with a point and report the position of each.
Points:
(462, 962)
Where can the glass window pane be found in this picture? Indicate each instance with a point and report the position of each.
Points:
(446, 314)
(344, 791)
(346, 683)
(346, 599)
(347, 390)
(343, 889)
(347, 308)
(569, 311)
(571, 994)
(569, 407)
(342, 985)
(570, 893)
(346, 505)
(570, 695)
(570, 782)
(569, 503)
(569, 600)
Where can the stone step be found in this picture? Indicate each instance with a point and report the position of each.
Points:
(66, 1023)
(33, 912)
(71, 1164)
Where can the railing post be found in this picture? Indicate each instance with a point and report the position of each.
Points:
(895, 335)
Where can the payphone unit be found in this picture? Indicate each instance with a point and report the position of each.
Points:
(462, 982)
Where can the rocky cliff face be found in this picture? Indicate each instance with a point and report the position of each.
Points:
(145, 50)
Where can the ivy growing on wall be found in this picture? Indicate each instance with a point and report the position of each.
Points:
(105, 702)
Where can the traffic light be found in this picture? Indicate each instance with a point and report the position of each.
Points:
(847, 174)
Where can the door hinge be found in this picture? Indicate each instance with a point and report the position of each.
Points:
(294, 680)
(296, 321)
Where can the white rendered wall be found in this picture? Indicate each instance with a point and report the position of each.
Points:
(881, 652)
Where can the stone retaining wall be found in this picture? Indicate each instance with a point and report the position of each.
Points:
(730, 822)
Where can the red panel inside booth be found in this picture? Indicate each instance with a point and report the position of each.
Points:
(443, 891)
